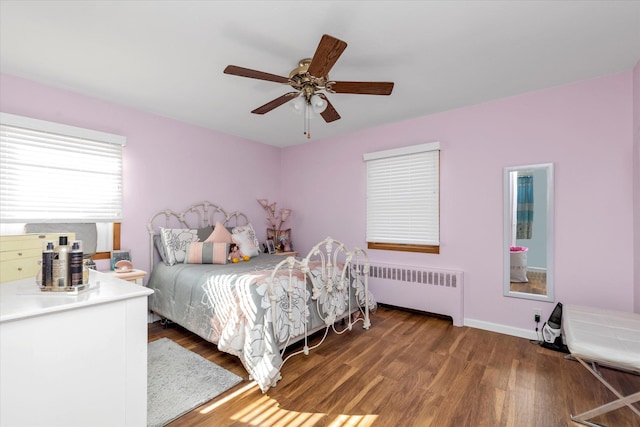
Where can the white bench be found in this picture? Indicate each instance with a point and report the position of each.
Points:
(608, 338)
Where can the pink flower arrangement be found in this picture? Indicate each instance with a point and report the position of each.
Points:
(275, 221)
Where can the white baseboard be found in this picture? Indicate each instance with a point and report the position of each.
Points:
(502, 329)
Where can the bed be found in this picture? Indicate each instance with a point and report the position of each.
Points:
(608, 338)
(252, 309)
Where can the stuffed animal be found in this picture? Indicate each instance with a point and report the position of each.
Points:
(235, 255)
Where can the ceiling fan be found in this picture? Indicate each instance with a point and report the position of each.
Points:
(309, 78)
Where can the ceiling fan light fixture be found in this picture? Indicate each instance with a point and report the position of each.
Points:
(298, 104)
(318, 104)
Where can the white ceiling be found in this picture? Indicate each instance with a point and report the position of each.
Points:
(167, 57)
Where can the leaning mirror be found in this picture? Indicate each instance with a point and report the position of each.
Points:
(528, 232)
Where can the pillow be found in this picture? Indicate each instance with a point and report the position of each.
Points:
(157, 242)
(206, 253)
(175, 241)
(219, 234)
(204, 232)
(245, 238)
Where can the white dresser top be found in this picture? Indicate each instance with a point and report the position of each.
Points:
(22, 298)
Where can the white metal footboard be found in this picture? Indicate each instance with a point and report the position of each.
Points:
(337, 280)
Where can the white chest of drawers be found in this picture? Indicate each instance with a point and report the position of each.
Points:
(73, 360)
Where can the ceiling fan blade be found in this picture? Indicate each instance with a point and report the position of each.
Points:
(329, 114)
(363, 88)
(328, 51)
(253, 74)
(275, 103)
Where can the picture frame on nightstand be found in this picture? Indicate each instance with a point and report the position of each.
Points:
(283, 242)
(271, 247)
(119, 255)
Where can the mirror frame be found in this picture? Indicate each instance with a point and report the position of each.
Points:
(549, 297)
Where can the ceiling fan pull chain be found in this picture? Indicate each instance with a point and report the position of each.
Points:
(304, 119)
(308, 123)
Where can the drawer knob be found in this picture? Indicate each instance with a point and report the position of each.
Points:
(19, 253)
(19, 268)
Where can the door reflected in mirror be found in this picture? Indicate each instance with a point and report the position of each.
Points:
(528, 232)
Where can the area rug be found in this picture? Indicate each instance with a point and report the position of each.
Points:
(180, 380)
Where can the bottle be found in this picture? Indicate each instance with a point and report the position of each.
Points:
(47, 265)
(75, 264)
(61, 263)
(85, 270)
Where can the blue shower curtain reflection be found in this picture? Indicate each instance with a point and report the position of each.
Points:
(524, 208)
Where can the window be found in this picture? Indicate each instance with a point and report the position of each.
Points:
(403, 198)
(56, 173)
(51, 172)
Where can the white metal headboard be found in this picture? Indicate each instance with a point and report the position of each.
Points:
(198, 215)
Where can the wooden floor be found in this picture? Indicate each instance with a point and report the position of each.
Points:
(411, 369)
(537, 284)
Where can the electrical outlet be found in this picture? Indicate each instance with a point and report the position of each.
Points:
(537, 315)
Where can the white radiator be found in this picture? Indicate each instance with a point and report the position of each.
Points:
(419, 288)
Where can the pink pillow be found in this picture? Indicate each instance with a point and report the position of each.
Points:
(220, 234)
(206, 253)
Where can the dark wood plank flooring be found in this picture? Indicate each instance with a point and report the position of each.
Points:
(411, 369)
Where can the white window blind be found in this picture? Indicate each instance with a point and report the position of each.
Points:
(51, 172)
(403, 195)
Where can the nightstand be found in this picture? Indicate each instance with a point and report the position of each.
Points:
(134, 276)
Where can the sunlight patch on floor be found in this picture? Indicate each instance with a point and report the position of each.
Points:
(353, 420)
(226, 399)
(267, 411)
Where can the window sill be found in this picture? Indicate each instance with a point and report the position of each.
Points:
(429, 249)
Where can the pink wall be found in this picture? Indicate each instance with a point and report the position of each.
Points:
(636, 183)
(583, 128)
(167, 164)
